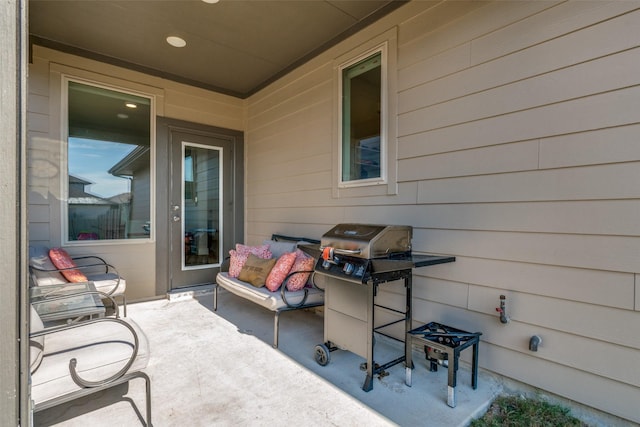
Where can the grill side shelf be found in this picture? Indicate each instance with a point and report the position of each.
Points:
(427, 260)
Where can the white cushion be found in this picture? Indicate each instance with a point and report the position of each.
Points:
(36, 345)
(101, 349)
(106, 282)
(262, 296)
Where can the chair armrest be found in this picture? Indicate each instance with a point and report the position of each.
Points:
(73, 362)
(101, 262)
(108, 268)
(283, 289)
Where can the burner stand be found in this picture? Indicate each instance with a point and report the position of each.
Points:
(441, 343)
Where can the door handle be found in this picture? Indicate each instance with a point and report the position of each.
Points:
(176, 218)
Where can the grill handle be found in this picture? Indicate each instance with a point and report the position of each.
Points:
(343, 251)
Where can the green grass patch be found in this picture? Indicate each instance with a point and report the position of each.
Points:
(516, 411)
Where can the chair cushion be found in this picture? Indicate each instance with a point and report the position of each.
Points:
(101, 349)
(39, 259)
(61, 259)
(263, 297)
(36, 345)
(105, 282)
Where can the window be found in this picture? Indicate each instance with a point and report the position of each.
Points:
(108, 164)
(364, 151)
(361, 125)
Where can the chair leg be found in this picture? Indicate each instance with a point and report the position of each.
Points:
(124, 304)
(148, 391)
(276, 322)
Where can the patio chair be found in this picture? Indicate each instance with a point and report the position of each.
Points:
(76, 360)
(104, 276)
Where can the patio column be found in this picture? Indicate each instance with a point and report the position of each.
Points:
(13, 242)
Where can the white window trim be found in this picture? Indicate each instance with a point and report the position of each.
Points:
(64, 182)
(386, 184)
(382, 179)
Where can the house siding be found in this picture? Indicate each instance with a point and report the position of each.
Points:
(517, 152)
(44, 176)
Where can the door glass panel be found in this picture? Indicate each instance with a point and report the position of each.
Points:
(201, 184)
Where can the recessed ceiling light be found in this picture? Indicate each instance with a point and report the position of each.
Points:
(176, 41)
(130, 105)
(211, 1)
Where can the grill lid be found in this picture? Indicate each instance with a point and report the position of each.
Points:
(368, 240)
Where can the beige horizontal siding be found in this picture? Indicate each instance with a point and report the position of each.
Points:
(606, 38)
(607, 217)
(517, 153)
(617, 181)
(599, 287)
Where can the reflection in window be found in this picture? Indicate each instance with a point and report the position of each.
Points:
(109, 164)
(361, 119)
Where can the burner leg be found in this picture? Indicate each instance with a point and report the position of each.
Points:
(368, 383)
(474, 365)
(452, 356)
(451, 396)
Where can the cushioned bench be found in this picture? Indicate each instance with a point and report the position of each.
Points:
(283, 299)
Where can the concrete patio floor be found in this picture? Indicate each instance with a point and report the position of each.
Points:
(219, 368)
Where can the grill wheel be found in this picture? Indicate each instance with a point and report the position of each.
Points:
(322, 355)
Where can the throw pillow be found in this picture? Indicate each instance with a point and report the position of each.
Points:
(39, 260)
(280, 271)
(303, 262)
(62, 260)
(240, 254)
(261, 251)
(280, 248)
(256, 270)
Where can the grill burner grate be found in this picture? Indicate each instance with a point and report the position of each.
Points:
(445, 335)
(443, 345)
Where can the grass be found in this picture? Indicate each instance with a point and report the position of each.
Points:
(513, 411)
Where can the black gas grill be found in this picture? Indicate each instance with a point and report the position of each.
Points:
(355, 259)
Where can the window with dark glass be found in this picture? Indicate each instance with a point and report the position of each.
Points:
(108, 164)
(361, 143)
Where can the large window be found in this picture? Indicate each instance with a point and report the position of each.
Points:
(108, 164)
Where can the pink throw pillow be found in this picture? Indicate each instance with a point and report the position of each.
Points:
(261, 251)
(303, 262)
(280, 271)
(61, 259)
(241, 253)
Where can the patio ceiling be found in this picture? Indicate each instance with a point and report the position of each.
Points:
(233, 46)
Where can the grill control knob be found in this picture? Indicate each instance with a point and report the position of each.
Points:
(348, 268)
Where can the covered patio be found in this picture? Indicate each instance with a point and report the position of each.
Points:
(219, 368)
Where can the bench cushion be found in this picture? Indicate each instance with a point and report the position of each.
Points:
(262, 296)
